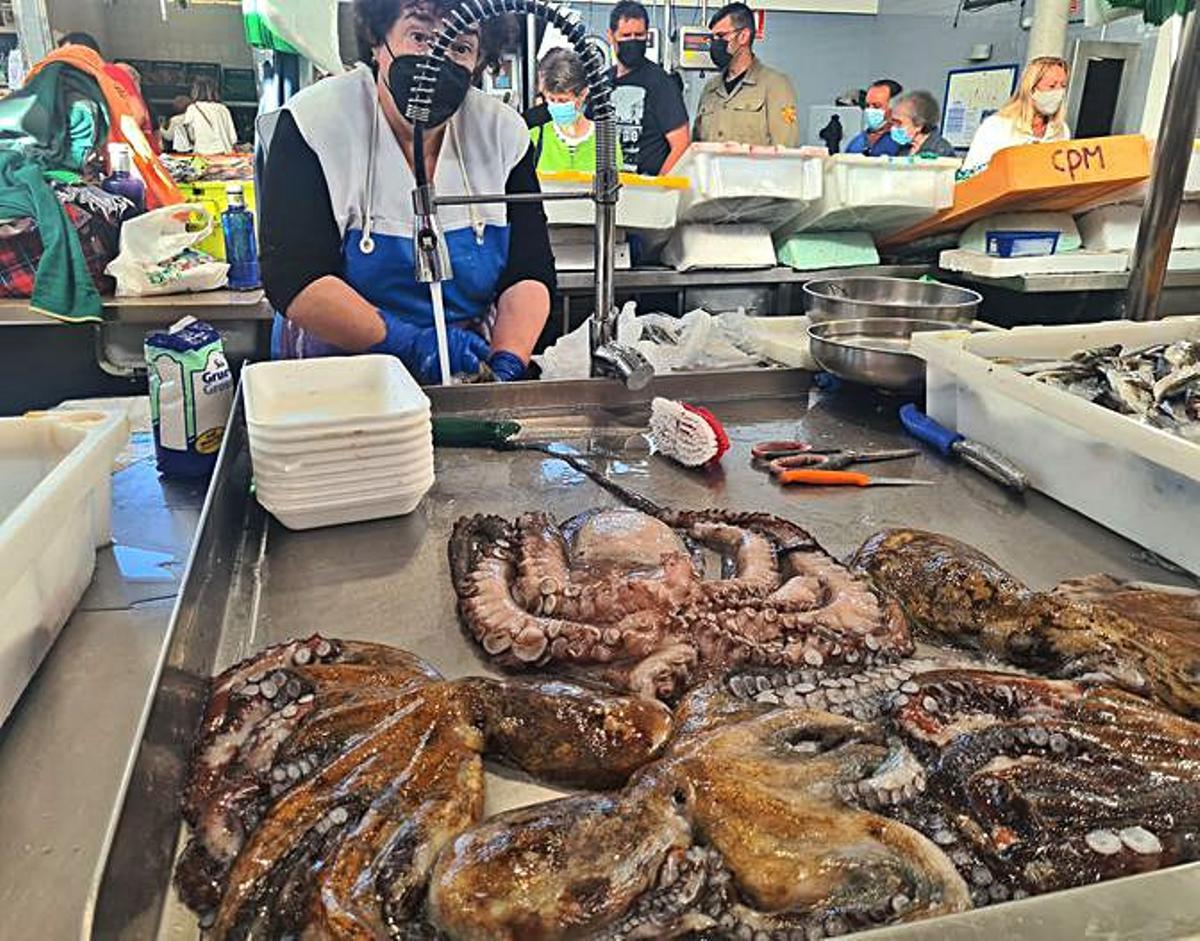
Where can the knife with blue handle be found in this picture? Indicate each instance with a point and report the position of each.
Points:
(987, 461)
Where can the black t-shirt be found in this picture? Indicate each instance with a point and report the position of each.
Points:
(649, 105)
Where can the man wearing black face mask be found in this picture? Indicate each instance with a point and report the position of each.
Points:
(652, 120)
(337, 209)
(748, 103)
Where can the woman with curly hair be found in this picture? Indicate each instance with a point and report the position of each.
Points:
(337, 213)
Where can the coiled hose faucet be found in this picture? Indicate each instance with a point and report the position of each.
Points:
(609, 358)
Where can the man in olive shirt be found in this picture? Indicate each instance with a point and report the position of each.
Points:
(748, 103)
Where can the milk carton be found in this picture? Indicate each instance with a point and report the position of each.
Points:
(191, 393)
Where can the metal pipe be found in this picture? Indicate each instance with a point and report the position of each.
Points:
(1048, 35)
(531, 60)
(483, 198)
(1172, 153)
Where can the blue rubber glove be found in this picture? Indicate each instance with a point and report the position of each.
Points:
(417, 348)
(506, 366)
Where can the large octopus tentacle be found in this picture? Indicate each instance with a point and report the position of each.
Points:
(957, 594)
(1017, 764)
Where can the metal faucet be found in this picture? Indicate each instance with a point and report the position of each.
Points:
(432, 260)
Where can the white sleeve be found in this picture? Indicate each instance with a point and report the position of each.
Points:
(230, 129)
(991, 136)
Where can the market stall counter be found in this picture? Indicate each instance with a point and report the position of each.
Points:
(252, 583)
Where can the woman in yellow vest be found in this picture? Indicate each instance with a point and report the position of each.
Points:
(568, 140)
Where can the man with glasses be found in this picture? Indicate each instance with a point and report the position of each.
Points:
(652, 120)
(748, 102)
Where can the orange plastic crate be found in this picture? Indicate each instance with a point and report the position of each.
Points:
(1053, 177)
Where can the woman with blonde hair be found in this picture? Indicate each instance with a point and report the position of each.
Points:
(1034, 115)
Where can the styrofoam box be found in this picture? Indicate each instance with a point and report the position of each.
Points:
(1115, 228)
(878, 194)
(1138, 481)
(986, 266)
(720, 246)
(733, 183)
(640, 205)
(330, 393)
(55, 510)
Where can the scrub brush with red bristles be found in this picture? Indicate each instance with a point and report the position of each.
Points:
(687, 433)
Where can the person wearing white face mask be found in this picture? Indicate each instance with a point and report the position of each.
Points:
(1034, 115)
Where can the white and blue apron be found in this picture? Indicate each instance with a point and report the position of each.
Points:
(370, 188)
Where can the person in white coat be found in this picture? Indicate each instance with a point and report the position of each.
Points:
(1034, 115)
(206, 127)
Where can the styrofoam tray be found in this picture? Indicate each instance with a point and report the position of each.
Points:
(374, 477)
(410, 434)
(316, 516)
(878, 194)
(987, 266)
(55, 510)
(352, 491)
(402, 462)
(321, 461)
(734, 183)
(330, 393)
(1137, 480)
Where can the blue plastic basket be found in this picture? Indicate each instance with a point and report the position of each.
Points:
(1022, 243)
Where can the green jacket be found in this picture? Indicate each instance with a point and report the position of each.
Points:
(556, 155)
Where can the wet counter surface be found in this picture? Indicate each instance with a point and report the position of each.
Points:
(64, 751)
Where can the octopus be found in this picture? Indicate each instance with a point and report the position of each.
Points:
(1144, 640)
(328, 775)
(739, 832)
(1029, 785)
(650, 600)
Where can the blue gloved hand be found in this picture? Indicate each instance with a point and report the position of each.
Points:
(506, 366)
(417, 348)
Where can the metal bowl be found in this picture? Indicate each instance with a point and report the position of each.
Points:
(858, 298)
(873, 351)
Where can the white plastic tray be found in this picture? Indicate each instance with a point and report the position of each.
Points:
(351, 467)
(878, 194)
(55, 496)
(331, 393)
(642, 205)
(1115, 228)
(349, 491)
(733, 183)
(403, 433)
(1138, 481)
(313, 515)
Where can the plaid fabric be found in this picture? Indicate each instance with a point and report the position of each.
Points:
(21, 250)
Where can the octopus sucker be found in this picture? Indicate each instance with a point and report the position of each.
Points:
(621, 585)
(953, 593)
(368, 781)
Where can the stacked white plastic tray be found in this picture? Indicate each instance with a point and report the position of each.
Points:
(338, 440)
(878, 194)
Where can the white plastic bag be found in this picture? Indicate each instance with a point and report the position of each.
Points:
(157, 255)
(310, 26)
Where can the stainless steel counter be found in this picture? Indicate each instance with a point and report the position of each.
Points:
(257, 583)
(64, 749)
(1075, 282)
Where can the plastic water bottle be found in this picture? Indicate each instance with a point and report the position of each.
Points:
(241, 245)
(121, 181)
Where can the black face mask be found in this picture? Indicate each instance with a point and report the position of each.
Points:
(718, 51)
(449, 93)
(631, 52)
